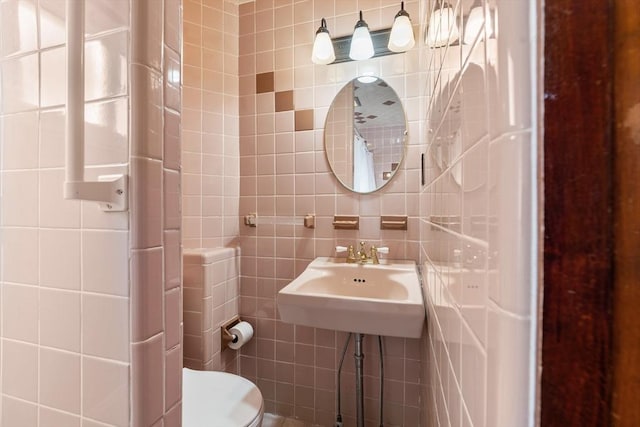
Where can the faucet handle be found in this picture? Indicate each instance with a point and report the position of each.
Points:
(351, 257)
(375, 251)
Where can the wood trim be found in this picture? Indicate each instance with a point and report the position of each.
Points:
(578, 230)
(626, 350)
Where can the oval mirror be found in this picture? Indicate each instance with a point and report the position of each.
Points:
(365, 134)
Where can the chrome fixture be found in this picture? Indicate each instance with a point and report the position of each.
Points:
(363, 44)
(358, 357)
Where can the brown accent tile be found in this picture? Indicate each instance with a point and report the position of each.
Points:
(284, 101)
(304, 119)
(264, 82)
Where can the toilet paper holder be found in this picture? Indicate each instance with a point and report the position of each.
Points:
(227, 337)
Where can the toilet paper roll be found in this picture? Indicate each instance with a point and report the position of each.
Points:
(242, 332)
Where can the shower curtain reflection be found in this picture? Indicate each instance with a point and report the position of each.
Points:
(364, 180)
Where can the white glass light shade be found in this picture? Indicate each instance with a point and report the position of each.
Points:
(361, 44)
(323, 52)
(474, 25)
(401, 38)
(442, 27)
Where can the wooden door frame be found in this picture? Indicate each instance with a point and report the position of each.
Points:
(590, 355)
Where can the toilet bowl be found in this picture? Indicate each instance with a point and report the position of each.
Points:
(219, 399)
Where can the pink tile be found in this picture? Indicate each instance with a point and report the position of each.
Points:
(171, 140)
(147, 293)
(146, 35)
(18, 412)
(146, 203)
(19, 18)
(172, 259)
(193, 348)
(105, 16)
(20, 370)
(304, 375)
(20, 312)
(107, 278)
(171, 199)
(511, 199)
(107, 132)
(172, 26)
(103, 64)
(105, 391)
(60, 259)
(60, 319)
(173, 377)
(511, 59)
(148, 381)
(508, 362)
(20, 138)
(20, 191)
(55, 211)
(173, 417)
(59, 383)
(304, 396)
(105, 326)
(51, 151)
(53, 78)
(173, 318)
(146, 100)
(52, 418)
(20, 84)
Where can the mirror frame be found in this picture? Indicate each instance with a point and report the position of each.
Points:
(405, 142)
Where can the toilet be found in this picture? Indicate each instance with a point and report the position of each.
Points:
(219, 399)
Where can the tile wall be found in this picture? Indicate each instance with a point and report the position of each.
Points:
(285, 175)
(155, 212)
(210, 133)
(211, 298)
(478, 222)
(90, 313)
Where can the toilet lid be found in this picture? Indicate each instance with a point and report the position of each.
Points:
(220, 399)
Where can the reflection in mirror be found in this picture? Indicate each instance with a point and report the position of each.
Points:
(458, 119)
(365, 134)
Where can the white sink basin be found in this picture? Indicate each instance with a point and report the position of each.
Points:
(383, 299)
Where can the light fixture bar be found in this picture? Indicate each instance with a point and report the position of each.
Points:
(380, 39)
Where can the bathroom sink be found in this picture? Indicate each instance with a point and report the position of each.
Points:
(382, 299)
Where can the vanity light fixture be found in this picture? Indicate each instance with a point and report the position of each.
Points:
(361, 43)
(401, 38)
(473, 28)
(442, 28)
(323, 52)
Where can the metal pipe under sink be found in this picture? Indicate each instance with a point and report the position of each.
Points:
(359, 357)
